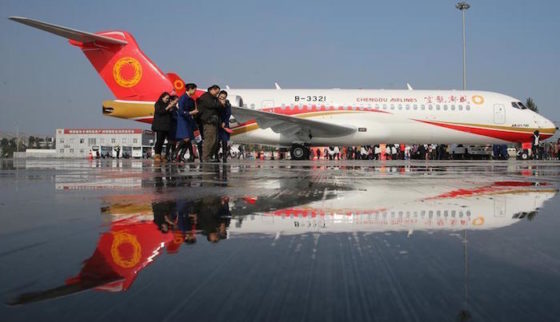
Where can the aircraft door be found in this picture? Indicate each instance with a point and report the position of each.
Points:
(499, 114)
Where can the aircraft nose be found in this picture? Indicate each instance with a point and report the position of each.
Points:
(549, 125)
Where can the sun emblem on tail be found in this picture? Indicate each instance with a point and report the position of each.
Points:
(122, 239)
(127, 72)
(178, 84)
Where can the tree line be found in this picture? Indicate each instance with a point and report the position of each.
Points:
(10, 145)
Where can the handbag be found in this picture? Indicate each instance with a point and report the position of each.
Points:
(197, 136)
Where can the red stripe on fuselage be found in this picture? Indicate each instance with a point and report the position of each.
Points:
(505, 135)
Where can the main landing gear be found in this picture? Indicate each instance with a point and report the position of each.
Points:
(299, 152)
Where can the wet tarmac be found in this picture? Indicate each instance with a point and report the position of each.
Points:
(123, 240)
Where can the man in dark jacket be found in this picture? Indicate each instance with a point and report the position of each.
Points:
(209, 110)
(223, 130)
(535, 144)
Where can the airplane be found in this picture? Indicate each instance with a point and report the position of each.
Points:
(302, 118)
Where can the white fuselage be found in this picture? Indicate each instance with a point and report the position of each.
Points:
(394, 116)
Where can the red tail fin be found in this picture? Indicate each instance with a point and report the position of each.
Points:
(179, 86)
(178, 83)
(126, 70)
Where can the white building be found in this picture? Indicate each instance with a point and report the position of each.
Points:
(78, 143)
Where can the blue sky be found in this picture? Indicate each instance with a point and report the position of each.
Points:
(513, 47)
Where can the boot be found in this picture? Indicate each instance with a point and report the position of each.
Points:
(177, 153)
(181, 154)
(191, 152)
(157, 158)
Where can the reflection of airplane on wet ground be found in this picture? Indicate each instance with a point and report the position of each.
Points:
(141, 227)
(399, 207)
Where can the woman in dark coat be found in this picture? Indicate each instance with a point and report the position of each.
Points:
(162, 122)
(171, 139)
(186, 124)
(224, 130)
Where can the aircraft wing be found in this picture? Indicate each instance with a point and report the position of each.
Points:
(299, 128)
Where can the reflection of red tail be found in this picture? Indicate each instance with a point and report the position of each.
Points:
(126, 70)
(124, 251)
(121, 254)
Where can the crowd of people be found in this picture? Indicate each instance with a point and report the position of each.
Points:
(198, 126)
(378, 152)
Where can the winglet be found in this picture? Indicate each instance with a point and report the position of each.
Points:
(409, 87)
(73, 34)
(277, 86)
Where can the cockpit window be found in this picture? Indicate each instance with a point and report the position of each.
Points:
(523, 107)
(514, 105)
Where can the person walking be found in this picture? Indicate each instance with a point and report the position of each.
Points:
(224, 130)
(162, 122)
(209, 107)
(186, 124)
(171, 140)
(535, 146)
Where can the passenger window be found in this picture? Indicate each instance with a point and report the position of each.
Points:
(460, 107)
(415, 107)
(468, 108)
(430, 107)
(445, 107)
(422, 107)
(437, 107)
(400, 107)
(392, 107)
(453, 107)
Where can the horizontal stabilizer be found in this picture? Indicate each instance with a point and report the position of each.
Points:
(291, 126)
(77, 35)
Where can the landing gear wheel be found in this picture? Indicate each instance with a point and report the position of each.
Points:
(299, 152)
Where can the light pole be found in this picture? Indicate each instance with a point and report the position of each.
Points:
(464, 6)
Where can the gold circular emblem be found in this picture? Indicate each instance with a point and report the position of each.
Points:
(477, 99)
(120, 239)
(127, 72)
(178, 84)
(478, 221)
